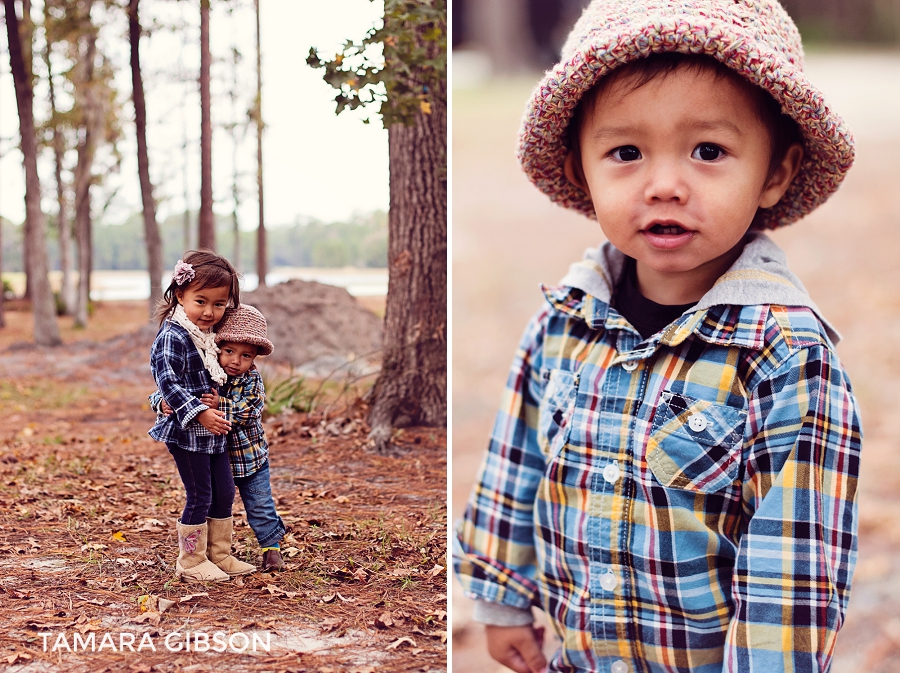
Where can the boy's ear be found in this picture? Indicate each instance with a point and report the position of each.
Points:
(782, 176)
(574, 173)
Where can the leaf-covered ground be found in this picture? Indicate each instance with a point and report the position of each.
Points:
(87, 537)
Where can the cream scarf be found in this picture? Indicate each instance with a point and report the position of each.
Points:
(205, 343)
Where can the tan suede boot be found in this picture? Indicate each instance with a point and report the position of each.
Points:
(192, 564)
(220, 531)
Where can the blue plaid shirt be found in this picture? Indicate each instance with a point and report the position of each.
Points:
(181, 378)
(243, 399)
(681, 503)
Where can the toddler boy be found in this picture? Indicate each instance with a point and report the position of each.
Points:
(242, 336)
(672, 474)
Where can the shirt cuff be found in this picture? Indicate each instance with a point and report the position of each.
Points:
(497, 614)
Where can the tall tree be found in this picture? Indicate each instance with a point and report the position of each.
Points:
(412, 386)
(262, 253)
(89, 103)
(207, 228)
(58, 143)
(151, 228)
(46, 331)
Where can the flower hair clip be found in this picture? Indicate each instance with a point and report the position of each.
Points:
(184, 272)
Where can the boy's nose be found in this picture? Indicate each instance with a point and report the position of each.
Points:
(665, 183)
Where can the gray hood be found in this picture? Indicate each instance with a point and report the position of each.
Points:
(760, 276)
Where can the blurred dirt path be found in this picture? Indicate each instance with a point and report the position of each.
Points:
(508, 238)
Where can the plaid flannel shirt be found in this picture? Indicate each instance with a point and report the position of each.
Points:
(681, 503)
(181, 378)
(242, 399)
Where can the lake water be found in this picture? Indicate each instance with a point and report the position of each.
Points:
(135, 285)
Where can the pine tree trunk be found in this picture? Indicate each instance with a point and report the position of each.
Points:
(67, 287)
(262, 254)
(46, 331)
(151, 228)
(412, 386)
(207, 229)
(92, 117)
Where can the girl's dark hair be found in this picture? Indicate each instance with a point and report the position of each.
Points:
(210, 270)
(783, 131)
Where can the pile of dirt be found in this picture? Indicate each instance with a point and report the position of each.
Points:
(311, 322)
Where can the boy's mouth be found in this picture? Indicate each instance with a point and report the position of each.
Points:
(667, 229)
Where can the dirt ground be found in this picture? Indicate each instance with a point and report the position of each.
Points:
(508, 238)
(88, 545)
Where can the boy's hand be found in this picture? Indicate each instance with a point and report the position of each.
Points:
(210, 399)
(214, 421)
(166, 409)
(517, 647)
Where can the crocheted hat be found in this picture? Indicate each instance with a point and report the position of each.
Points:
(755, 38)
(245, 325)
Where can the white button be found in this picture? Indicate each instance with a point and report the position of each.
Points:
(698, 422)
(608, 581)
(612, 473)
(619, 667)
(629, 366)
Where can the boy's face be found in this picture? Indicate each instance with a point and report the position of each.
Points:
(236, 358)
(676, 170)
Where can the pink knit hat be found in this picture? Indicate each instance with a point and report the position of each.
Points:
(245, 325)
(755, 38)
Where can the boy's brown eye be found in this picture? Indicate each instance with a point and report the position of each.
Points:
(627, 153)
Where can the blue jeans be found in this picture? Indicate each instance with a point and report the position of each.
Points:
(256, 494)
(208, 484)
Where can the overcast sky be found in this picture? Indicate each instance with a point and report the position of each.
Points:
(316, 164)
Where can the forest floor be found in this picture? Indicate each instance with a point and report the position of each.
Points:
(87, 529)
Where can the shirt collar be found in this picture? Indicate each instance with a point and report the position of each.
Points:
(733, 312)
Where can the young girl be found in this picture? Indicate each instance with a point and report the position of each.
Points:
(184, 362)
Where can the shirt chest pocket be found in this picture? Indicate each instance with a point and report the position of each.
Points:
(555, 413)
(695, 445)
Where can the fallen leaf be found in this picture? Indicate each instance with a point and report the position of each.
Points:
(147, 603)
(93, 547)
(290, 552)
(346, 600)
(151, 617)
(360, 574)
(384, 621)
(397, 643)
(328, 598)
(13, 658)
(125, 561)
(331, 623)
(363, 669)
(184, 599)
(165, 604)
(118, 536)
(437, 570)
(342, 499)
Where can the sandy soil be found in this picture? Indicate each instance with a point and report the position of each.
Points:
(507, 238)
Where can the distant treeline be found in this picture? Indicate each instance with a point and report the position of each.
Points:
(361, 242)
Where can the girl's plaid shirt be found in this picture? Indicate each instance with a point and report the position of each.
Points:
(684, 503)
(181, 378)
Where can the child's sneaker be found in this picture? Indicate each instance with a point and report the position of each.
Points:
(272, 560)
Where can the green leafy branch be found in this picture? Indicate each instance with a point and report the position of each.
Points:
(411, 68)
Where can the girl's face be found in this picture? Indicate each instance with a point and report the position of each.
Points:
(206, 306)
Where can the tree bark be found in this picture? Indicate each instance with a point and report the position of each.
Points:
(46, 331)
(92, 118)
(412, 386)
(207, 228)
(151, 228)
(262, 253)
